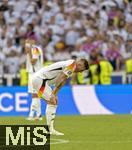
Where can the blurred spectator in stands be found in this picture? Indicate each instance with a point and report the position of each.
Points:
(105, 70)
(94, 56)
(114, 56)
(103, 18)
(78, 51)
(88, 45)
(3, 33)
(22, 56)
(2, 19)
(129, 31)
(19, 31)
(4, 6)
(30, 32)
(72, 35)
(12, 58)
(122, 30)
(61, 53)
(2, 60)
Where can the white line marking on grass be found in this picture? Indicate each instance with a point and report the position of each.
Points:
(59, 141)
(101, 142)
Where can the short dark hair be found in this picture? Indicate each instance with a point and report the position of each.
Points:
(31, 26)
(85, 63)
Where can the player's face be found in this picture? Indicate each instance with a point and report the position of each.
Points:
(28, 44)
(80, 66)
(27, 47)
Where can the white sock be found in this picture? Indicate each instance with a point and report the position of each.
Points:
(50, 115)
(33, 107)
(38, 108)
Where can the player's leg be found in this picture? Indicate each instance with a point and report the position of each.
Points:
(45, 92)
(50, 117)
(35, 108)
(38, 110)
(32, 106)
(35, 104)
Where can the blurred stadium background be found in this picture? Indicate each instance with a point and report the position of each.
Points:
(93, 29)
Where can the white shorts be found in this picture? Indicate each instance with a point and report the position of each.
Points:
(41, 87)
(30, 85)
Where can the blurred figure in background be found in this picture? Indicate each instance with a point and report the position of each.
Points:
(2, 58)
(12, 54)
(34, 63)
(93, 69)
(23, 75)
(114, 56)
(128, 68)
(105, 70)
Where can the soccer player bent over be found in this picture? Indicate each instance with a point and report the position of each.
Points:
(55, 75)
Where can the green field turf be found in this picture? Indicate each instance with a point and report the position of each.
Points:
(87, 132)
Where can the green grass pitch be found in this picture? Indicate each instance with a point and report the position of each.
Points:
(112, 132)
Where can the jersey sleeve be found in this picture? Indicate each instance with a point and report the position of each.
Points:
(35, 53)
(68, 71)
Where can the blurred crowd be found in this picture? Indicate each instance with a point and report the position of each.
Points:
(65, 29)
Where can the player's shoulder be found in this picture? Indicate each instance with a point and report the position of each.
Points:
(69, 67)
(69, 62)
(62, 64)
(65, 63)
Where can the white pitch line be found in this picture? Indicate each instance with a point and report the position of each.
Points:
(100, 142)
(59, 141)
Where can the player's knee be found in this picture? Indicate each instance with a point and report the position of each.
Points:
(52, 102)
(35, 95)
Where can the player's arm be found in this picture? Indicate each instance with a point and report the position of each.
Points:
(31, 52)
(62, 78)
(34, 54)
(27, 47)
(60, 81)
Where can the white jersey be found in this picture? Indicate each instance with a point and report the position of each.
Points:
(50, 72)
(36, 53)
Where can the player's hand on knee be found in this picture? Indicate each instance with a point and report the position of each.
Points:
(53, 99)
